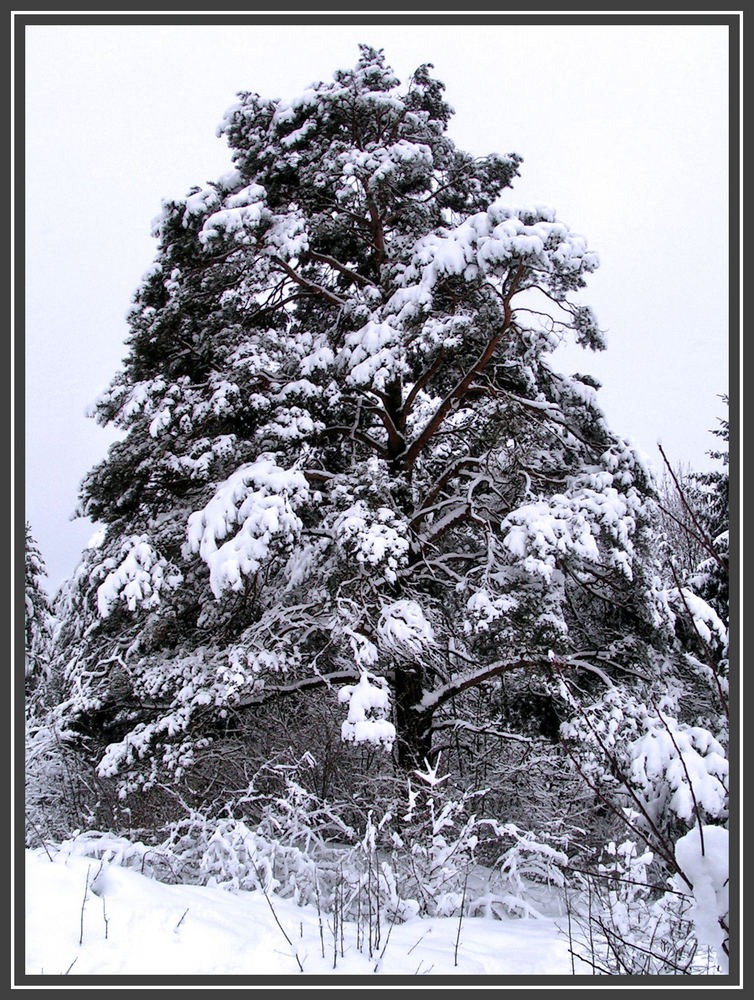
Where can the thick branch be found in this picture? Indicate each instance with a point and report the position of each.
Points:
(457, 515)
(310, 286)
(305, 684)
(422, 381)
(325, 259)
(427, 503)
(460, 390)
(433, 699)
(461, 724)
(394, 436)
(358, 435)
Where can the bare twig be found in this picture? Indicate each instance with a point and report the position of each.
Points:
(335, 916)
(460, 921)
(272, 910)
(704, 539)
(619, 878)
(570, 933)
(588, 961)
(83, 904)
(342, 911)
(378, 963)
(417, 942)
(319, 914)
(41, 841)
(611, 933)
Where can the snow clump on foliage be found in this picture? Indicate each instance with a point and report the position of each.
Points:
(137, 578)
(404, 628)
(259, 498)
(368, 705)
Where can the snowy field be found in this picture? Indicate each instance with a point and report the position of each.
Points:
(88, 918)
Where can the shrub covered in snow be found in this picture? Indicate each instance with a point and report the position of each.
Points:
(702, 856)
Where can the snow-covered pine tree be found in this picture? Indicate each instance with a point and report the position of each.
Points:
(37, 630)
(347, 462)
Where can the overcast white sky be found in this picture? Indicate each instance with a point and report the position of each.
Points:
(624, 130)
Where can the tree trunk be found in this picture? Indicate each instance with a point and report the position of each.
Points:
(414, 736)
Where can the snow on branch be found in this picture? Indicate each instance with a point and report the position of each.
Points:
(244, 209)
(542, 532)
(377, 539)
(680, 768)
(368, 706)
(489, 244)
(259, 500)
(137, 575)
(706, 620)
(404, 628)
(370, 355)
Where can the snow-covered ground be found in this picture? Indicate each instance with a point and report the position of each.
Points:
(84, 917)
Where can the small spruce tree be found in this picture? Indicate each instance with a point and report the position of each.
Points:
(38, 620)
(712, 501)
